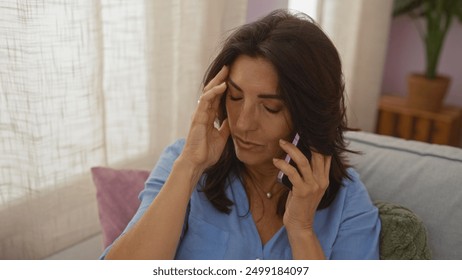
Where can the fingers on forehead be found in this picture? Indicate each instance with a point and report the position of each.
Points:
(212, 95)
(219, 78)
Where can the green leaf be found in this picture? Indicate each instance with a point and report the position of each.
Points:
(438, 16)
(405, 6)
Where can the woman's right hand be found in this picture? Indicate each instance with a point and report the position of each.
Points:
(163, 219)
(205, 143)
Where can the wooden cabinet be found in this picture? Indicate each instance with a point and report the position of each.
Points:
(396, 119)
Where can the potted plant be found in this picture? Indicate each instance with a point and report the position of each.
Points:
(433, 18)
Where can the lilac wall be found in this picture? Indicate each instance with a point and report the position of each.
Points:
(406, 54)
(259, 8)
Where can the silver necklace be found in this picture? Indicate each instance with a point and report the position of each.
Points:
(269, 194)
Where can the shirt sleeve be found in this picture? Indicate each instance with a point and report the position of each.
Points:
(153, 184)
(359, 233)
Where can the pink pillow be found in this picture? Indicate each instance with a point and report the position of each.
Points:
(117, 197)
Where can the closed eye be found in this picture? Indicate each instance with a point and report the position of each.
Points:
(272, 111)
(233, 98)
(233, 88)
(231, 93)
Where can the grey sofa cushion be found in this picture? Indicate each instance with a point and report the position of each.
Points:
(424, 178)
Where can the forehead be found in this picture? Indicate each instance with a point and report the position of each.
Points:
(254, 73)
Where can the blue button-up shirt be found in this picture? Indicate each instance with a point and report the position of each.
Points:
(348, 229)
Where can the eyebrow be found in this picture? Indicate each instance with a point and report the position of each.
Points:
(262, 95)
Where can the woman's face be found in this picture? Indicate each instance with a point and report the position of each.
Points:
(257, 115)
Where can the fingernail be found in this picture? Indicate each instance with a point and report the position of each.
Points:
(275, 160)
(282, 141)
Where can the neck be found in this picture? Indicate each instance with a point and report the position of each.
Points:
(266, 175)
(262, 180)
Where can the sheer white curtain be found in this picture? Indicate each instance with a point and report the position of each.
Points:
(359, 29)
(87, 83)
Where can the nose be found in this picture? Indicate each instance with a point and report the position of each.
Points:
(248, 118)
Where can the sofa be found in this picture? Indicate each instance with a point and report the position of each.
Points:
(424, 178)
(416, 186)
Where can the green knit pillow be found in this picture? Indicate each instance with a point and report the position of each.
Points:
(403, 235)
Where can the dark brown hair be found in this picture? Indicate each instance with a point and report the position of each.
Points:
(310, 84)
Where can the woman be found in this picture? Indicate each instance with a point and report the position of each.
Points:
(216, 194)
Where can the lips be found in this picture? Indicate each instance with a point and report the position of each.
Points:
(245, 144)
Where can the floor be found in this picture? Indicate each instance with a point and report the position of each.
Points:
(89, 249)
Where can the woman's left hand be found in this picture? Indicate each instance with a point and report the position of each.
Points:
(309, 185)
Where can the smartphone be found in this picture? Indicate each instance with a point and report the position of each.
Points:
(282, 178)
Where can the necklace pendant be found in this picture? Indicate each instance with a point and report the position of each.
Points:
(269, 195)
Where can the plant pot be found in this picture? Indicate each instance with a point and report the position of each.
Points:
(427, 94)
